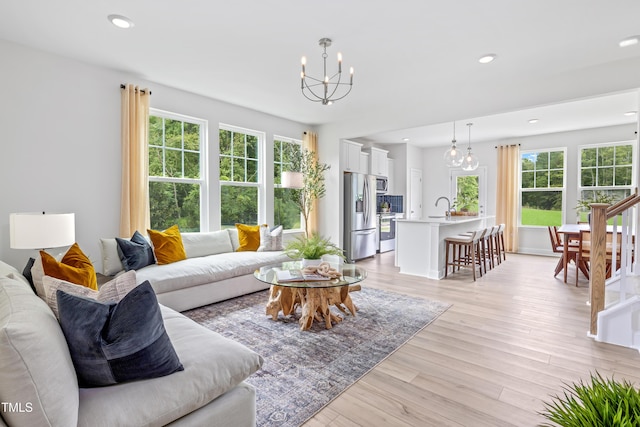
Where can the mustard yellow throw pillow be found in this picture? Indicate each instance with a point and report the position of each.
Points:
(74, 267)
(167, 245)
(249, 237)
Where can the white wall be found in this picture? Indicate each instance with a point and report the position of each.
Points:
(60, 122)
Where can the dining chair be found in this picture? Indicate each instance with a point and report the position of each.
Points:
(557, 246)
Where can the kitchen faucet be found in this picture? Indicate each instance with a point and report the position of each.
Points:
(448, 212)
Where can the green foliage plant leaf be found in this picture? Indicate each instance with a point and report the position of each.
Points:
(312, 247)
(602, 402)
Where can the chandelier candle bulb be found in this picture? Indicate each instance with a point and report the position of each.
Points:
(339, 62)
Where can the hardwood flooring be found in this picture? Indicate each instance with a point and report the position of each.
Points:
(510, 340)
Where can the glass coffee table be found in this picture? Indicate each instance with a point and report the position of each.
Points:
(314, 297)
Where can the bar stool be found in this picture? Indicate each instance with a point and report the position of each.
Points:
(500, 242)
(465, 251)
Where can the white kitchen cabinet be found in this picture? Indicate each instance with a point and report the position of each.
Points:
(378, 162)
(391, 178)
(351, 154)
(364, 162)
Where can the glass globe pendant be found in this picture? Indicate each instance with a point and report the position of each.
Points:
(453, 156)
(470, 161)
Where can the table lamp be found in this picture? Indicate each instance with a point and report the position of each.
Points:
(35, 230)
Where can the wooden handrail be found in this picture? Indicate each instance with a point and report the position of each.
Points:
(623, 204)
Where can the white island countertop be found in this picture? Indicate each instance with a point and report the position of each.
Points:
(420, 242)
(441, 220)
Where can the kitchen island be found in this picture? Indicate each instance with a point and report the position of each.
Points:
(420, 245)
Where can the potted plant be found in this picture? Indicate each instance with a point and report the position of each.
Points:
(584, 204)
(313, 186)
(311, 248)
(603, 402)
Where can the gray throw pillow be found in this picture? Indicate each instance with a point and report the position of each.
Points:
(135, 253)
(117, 342)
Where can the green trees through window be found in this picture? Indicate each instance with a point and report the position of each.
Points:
(239, 176)
(175, 182)
(542, 187)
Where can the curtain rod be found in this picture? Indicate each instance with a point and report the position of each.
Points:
(141, 90)
(508, 145)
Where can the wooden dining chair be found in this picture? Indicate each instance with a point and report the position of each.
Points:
(557, 246)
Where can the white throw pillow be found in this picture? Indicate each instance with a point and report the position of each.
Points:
(270, 240)
(203, 244)
(112, 291)
(111, 263)
(235, 240)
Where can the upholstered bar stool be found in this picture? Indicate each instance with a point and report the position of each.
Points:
(500, 243)
(465, 252)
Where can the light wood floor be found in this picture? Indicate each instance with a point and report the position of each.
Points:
(510, 340)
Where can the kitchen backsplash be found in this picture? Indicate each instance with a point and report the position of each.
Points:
(395, 202)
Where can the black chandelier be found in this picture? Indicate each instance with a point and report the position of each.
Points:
(330, 88)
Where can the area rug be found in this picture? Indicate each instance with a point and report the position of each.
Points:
(304, 371)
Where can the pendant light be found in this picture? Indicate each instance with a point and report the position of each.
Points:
(470, 161)
(453, 156)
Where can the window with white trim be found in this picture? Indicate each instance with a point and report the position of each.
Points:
(542, 187)
(177, 185)
(239, 175)
(605, 169)
(285, 211)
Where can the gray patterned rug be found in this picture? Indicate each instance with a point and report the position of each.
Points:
(304, 371)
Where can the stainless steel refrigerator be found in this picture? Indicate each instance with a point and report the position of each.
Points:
(359, 216)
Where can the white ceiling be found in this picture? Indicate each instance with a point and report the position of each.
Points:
(415, 61)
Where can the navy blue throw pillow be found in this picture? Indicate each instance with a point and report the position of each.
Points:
(135, 253)
(117, 342)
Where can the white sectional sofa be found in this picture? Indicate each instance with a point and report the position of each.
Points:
(39, 387)
(212, 272)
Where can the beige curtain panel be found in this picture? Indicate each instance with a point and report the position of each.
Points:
(310, 142)
(134, 205)
(507, 194)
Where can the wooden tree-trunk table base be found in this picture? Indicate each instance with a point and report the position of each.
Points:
(315, 303)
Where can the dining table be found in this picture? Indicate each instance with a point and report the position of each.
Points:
(571, 232)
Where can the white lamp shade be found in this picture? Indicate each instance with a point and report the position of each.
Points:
(35, 230)
(292, 179)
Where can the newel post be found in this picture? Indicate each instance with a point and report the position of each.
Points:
(598, 263)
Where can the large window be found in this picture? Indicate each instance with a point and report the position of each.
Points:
(176, 181)
(285, 211)
(239, 175)
(542, 187)
(605, 169)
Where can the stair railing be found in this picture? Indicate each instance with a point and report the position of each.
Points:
(600, 214)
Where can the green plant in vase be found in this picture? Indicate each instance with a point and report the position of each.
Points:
(311, 248)
(583, 207)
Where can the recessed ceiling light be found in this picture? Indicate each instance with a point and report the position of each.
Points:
(629, 41)
(120, 21)
(485, 59)
(405, 139)
(533, 121)
(630, 113)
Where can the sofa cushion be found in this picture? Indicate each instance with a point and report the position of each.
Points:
(117, 342)
(167, 245)
(203, 244)
(111, 263)
(135, 253)
(35, 365)
(270, 240)
(212, 364)
(249, 237)
(233, 235)
(197, 271)
(7, 270)
(112, 291)
(74, 267)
